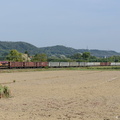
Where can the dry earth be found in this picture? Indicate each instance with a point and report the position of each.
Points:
(61, 95)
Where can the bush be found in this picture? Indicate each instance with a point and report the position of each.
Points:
(4, 92)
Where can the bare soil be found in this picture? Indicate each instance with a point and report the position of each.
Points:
(61, 95)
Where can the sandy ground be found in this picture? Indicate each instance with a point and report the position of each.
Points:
(62, 95)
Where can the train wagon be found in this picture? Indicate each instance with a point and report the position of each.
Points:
(113, 64)
(105, 63)
(83, 64)
(54, 64)
(96, 63)
(15, 65)
(64, 64)
(3, 64)
(74, 64)
(117, 63)
(41, 64)
(30, 64)
(89, 63)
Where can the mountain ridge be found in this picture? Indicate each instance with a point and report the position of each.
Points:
(6, 46)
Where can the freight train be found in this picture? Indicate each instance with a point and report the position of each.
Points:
(6, 64)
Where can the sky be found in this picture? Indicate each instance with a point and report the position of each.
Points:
(80, 24)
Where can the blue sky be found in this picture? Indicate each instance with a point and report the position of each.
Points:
(92, 24)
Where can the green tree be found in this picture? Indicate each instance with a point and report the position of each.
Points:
(26, 52)
(15, 56)
(76, 56)
(40, 58)
(86, 55)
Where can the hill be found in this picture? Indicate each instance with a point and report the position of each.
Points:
(62, 50)
(5, 47)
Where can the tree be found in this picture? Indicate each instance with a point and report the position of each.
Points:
(40, 58)
(26, 52)
(26, 58)
(76, 56)
(86, 55)
(15, 56)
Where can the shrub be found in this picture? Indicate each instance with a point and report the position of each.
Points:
(4, 92)
(14, 80)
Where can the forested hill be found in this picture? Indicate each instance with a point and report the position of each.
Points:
(5, 47)
(62, 50)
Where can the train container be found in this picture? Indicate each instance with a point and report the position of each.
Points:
(105, 63)
(96, 63)
(15, 64)
(82, 64)
(89, 63)
(64, 64)
(42, 64)
(30, 64)
(74, 64)
(54, 64)
(113, 64)
(102, 64)
(117, 64)
(108, 63)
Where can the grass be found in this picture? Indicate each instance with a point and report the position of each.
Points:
(4, 92)
(58, 69)
(105, 68)
(14, 81)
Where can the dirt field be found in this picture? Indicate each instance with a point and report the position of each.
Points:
(62, 95)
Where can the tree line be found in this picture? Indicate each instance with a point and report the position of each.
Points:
(16, 56)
